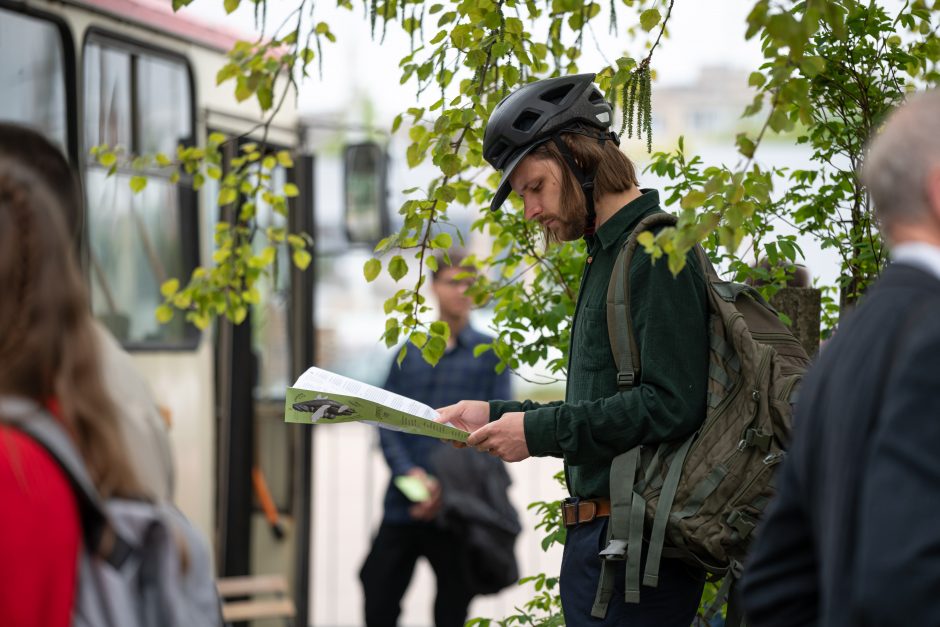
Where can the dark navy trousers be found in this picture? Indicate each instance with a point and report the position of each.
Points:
(673, 603)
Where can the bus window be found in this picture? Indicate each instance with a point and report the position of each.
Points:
(32, 73)
(269, 316)
(143, 102)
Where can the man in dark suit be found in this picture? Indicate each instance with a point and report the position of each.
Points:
(853, 537)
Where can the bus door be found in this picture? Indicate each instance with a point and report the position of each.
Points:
(263, 467)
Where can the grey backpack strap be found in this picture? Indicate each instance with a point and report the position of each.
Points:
(622, 337)
(26, 416)
(666, 498)
(624, 532)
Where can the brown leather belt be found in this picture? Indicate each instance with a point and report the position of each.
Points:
(584, 511)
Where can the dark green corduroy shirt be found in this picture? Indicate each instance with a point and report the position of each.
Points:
(597, 422)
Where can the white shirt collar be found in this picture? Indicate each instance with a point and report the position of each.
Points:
(918, 254)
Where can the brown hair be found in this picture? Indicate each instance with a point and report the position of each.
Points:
(614, 172)
(37, 153)
(48, 348)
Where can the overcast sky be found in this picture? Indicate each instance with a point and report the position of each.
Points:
(703, 32)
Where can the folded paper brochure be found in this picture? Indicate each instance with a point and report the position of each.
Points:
(323, 397)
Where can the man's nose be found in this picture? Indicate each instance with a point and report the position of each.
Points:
(531, 209)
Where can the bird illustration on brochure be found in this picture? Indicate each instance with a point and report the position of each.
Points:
(322, 397)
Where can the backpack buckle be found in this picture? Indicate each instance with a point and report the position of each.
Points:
(625, 379)
(741, 522)
(753, 437)
(615, 551)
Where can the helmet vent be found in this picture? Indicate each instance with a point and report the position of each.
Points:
(556, 95)
(496, 153)
(526, 120)
(595, 97)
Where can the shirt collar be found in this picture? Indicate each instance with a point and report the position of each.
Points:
(465, 337)
(626, 218)
(918, 254)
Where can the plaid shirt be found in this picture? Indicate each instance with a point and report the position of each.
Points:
(458, 376)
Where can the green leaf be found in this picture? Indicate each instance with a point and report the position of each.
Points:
(693, 200)
(169, 287)
(231, 5)
(228, 71)
(227, 195)
(813, 66)
(284, 158)
(107, 159)
(302, 259)
(479, 349)
(238, 314)
(268, 255)
(649, 19)
(371, 269)
(164, 314)
(440, 328)
(443, 240)
(745, 146)
(138, 183)
(397, 267)
(291, 190)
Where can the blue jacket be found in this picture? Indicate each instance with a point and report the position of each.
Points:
(458, 376)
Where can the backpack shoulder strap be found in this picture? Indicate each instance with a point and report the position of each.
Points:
(28, 417)
(619, 319)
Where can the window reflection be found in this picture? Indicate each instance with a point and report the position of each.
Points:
(163, 89)
(32, 75)
(107, 97)
(270, 316)
(138, 241)
(135, 246)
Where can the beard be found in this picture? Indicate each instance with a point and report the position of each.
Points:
(567, 226)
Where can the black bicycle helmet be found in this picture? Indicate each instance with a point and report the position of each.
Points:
(534, 114)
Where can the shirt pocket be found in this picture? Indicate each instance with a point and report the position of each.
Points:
(593, 340)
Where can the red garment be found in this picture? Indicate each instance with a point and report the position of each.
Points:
(40, 534)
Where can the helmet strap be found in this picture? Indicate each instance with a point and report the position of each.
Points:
(586, 180)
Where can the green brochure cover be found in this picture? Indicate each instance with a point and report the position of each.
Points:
(323, 397)
(413, 488)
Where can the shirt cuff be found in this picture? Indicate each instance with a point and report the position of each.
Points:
(539, 426)
(498, 408)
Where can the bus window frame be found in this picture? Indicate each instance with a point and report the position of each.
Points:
(69, 64)
(189, 203)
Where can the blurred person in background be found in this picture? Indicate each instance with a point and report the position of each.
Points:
(48, 357)
(142, 424)
(413, 529)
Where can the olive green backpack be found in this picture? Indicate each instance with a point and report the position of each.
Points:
(700, 499)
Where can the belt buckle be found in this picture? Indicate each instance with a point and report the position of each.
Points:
(569, 504)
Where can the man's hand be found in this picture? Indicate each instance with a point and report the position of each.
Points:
(466, 415)
(428, 509)
(504, 438)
